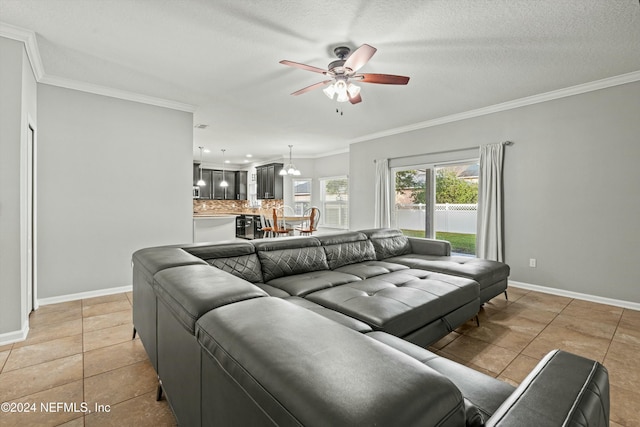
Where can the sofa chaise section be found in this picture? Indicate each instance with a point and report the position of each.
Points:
(285, 365)
(433, 255)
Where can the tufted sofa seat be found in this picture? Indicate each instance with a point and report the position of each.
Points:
(393, 247)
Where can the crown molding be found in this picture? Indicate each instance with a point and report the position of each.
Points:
(330, 153)
(631, 77)
(30, 44)
(115, 93)
(28, 37)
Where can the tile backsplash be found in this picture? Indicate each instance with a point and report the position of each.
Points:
(232, 206)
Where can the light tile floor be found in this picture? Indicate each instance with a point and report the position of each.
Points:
(81, 351)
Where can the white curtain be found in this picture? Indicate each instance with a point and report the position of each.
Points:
(490, 237)
(382, 197)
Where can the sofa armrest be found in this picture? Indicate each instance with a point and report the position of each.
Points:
(424, 246)
(564, 389)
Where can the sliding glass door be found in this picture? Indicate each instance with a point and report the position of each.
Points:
(439, 201)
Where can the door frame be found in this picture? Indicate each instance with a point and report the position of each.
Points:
(29, 218)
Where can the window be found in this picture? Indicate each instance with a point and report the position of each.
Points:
(334, 195)
(301, 195)
(439, 201)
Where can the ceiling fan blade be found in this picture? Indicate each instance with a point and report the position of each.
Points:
(359, 57)
(355, 99)
(303, 66)
(385, 79)
(313, 86)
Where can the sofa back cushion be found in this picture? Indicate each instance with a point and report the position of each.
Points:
(289, 256)
(347, 248)
(388, 242)
(238, 258)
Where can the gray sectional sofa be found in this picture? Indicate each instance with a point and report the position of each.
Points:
(332, 330)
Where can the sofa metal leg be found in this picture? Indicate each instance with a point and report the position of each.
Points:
(133, 337)
(159, 391)
(477, 320)
(506, 296)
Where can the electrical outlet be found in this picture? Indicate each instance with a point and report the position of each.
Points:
(532, 262)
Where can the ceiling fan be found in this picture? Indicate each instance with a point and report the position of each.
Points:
(343, 71)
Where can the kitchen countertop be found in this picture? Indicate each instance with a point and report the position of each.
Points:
(228, 213)
(214, 216)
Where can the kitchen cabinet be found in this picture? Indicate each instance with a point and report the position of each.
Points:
(241, 185)
(206, 190)
(269, 181)
(236, 190)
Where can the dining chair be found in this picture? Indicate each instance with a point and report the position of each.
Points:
(267, 227)
(311, 225)
(279, 226)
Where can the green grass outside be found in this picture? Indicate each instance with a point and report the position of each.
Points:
(460, 243)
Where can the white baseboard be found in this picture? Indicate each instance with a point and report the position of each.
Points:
(83, 295)
(21, 335)
(15, 336)
(576, 295)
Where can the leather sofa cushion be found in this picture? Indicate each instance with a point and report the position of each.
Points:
(207, 251)
(483, 392)
(347, 321)
(272, 290)
(286, 257)
(388, 242)
(347, 248)
(483, 271)
(152, 260)
(367, 269)
(280, 357)
(304, 283)
(399, 302)
(191, 291)
(237, 258)
(563, 389)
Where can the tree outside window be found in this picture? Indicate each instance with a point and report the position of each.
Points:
(335, 202)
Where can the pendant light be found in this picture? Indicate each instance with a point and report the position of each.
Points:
(223, 183)
(201, 182)
(290, 169)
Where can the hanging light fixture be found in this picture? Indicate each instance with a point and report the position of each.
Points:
(290, 169)
(343, 88)
(223, 183)
(201, 182)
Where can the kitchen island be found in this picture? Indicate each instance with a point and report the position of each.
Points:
(214, 228)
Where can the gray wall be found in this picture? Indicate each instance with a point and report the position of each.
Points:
(18, 100)
(571, 186)
(10, 113)
(114, 176)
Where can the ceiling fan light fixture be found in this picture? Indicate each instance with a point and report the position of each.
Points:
(353, 90)
(329, 91)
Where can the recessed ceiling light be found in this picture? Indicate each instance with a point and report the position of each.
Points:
(246, 161)
(227, 161)
(249, 155)
(201, 126)
(206, 150)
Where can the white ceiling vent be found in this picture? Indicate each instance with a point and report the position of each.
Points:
(201, 126)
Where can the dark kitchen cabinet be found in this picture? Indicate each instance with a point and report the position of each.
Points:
(241, 185)
(236, 190)
(206, 190)
(269, 181)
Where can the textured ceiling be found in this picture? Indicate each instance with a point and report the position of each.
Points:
(222, 57)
